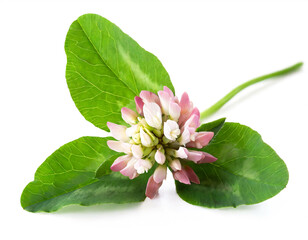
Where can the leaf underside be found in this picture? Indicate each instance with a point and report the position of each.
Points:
(247, 171)
(69, 176)
(112, 188)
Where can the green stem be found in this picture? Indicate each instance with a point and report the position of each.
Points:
(208, 112)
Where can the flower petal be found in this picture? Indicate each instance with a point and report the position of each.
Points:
(175, 165)
(186, 108)
(201, 139)
(142, 166)
(119, 146)
(191, 175)
(139, 105)
(160, 157)
(130, 170)
(137, 151)
(149, 97)
(145, 138)
(153, 115)
(207, 158)
(181, 153)
(167, 90)
(174, 111)
(118, 131)
(165, 100)
(185, 137)
(120, 163)
(152, 188)
(160, 174)
(129, 116)
(196, 112)
(193, 121)
(171, 130)
(181, 176)
(185, 103)
(132, 130)
(195, 156)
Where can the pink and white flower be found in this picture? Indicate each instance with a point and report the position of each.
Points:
(171, 130)
(160, 135)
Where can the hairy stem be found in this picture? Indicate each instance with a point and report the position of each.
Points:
(208, 112)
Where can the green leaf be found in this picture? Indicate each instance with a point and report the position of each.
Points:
(247, 171)
(214, 126)
(106, 69)
(68, 176)
(112, 188)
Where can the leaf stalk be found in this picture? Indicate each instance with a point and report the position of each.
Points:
(211, 110)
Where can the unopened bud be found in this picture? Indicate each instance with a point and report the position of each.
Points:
(145, 139)
(160, 156)
(175, 165)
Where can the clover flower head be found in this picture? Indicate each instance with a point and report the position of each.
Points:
(160, 134)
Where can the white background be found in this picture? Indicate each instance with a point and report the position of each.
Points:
(208, 48)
